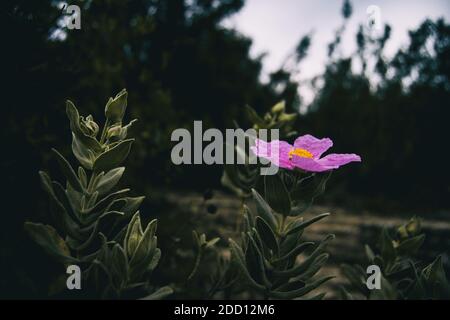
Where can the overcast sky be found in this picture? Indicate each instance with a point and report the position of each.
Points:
(277, 25)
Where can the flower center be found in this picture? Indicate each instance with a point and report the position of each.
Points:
(300, 153)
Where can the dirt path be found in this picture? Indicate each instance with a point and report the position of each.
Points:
(352, 230)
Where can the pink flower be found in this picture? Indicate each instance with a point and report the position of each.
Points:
(304, 154)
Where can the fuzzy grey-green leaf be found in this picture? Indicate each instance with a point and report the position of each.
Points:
(47, 237)
(67, 169)
(109, 180)
(114, 157)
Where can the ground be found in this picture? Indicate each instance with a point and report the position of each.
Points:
(352, 230)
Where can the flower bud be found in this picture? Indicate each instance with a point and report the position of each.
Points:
(114, 133)
(88, 126)
(413, 227)
(115, 108)
(279, 107)
(286, 117)
(133, 235)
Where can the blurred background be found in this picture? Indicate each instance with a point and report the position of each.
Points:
(381, 93)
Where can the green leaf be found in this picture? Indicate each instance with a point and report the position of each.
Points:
(133, 235)
(93, 212)
(83, 177)
(356, 278)
(279, 107)
(304, 265)
(315, 267)
(83, 154)
(291, 285)
(145, 245)
(104, 225)
(68, 172)
(59, 213)
(307, 190)
(437, 284)
(318, 296)
(259, 242)
(238, 257)
(159, 294)
(296, 251)
(264, 210)
(115, 108)
(109, 180)
(47, 237)
(369, 253)
(387, 291)
(387, 248)
(267, 234)
(107, 221)
(74, 118)
(114, 156)
(277, 195)
(289, 242)
(211, 243)
(155, 260)
(255, 262)
(248, 222)
(127, 205)
(62, 197)
(301, 291)
(345, 295)
(304, 224)
(140, 265)
(409, 247)
(119, 266)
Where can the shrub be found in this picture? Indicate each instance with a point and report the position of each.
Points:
(402, 275)
(96, 226)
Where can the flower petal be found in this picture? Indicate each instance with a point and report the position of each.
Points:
(311, 165)
(316, 146)
(276, 151)
(338, 160)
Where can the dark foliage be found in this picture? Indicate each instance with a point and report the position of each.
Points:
(180, 64)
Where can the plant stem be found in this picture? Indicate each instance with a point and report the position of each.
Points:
(103, 136)
(196, 265)
(283, 222)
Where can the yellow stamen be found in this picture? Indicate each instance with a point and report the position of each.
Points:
(300, 153)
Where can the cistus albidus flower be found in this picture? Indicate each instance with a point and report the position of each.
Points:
(305, 154)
